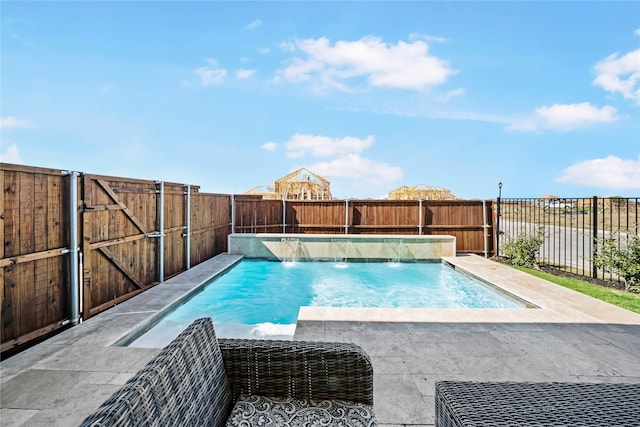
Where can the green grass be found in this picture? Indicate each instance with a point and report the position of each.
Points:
(624, 299)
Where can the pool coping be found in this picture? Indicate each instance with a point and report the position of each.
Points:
(551, 303)
(554, 303)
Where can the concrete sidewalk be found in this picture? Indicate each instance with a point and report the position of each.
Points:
(571, 337)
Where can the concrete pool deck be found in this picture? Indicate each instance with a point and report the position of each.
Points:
(571, 337)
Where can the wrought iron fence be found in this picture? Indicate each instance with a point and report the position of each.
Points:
(573, 228)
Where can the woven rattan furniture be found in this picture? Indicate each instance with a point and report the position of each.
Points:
(198, 380)
(461, 403)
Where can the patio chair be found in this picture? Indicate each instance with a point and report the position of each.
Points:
(198, 380)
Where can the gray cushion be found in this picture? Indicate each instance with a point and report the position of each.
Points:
(268, 411)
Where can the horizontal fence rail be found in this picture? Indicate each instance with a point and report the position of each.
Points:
(573, 228)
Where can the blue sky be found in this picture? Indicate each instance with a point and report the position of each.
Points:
(542, 96)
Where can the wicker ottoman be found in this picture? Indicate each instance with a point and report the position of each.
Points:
(463, 403)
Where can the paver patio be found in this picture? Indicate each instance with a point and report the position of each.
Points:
(571, 337)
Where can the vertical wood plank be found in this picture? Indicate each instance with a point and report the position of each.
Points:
(2, 243)
(40, 232)
(117, 228)
(40, 212)
(85, 241)
(11, 302)
(55, 231)
(26, 271)
(10, 305)
(2, 212)
(112, 279)
(40, 287)
(53, 310)
(12, 214)
(54, 240)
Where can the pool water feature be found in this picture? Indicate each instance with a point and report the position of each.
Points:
(261, 299)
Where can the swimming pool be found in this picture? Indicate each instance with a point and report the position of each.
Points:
(261, 299)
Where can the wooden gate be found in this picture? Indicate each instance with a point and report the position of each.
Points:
(34, 255)
(120, 240)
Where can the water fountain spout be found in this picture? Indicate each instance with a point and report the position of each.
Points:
(396, 250)
(294, 249)
(341, 251)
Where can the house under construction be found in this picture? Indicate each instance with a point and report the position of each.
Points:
(421, 192)
(299, 185)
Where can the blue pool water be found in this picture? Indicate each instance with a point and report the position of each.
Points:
(261, 299)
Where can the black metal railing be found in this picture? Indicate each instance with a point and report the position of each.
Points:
(573, 228)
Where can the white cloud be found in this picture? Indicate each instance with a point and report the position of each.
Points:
(244, 74)
(427, 38)
(620, 74)
(210, 75)
(254, 24)
(12, 122)
(451, 94)
(269, 146)
(324, 146)
(611, 172)
(263, 50)
(360, 170)
(379, 64)
(565, 117)
(524, 125)
(571, 116)
(637, 32)
(287, 46)
(11, 155)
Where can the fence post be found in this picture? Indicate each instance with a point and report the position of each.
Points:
(73, 247)
(187, 247)
(346, 216)
(485, 225)
(232, 201)
(420, 217)
(284, 216)
(594, 230)
(160, 191)
(497, 227)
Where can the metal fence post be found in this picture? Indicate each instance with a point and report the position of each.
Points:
(346, 216)
(187, 247)
(420, 217)
(284, 215)
(497, 229)
(594, 225)
(74, 266)
(160, 233)
(232, 202)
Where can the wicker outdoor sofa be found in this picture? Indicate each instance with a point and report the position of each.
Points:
(540, 404)
(198, 380)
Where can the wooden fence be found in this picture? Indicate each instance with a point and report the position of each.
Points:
(470, 221)
(130, 235)
(122, 250)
